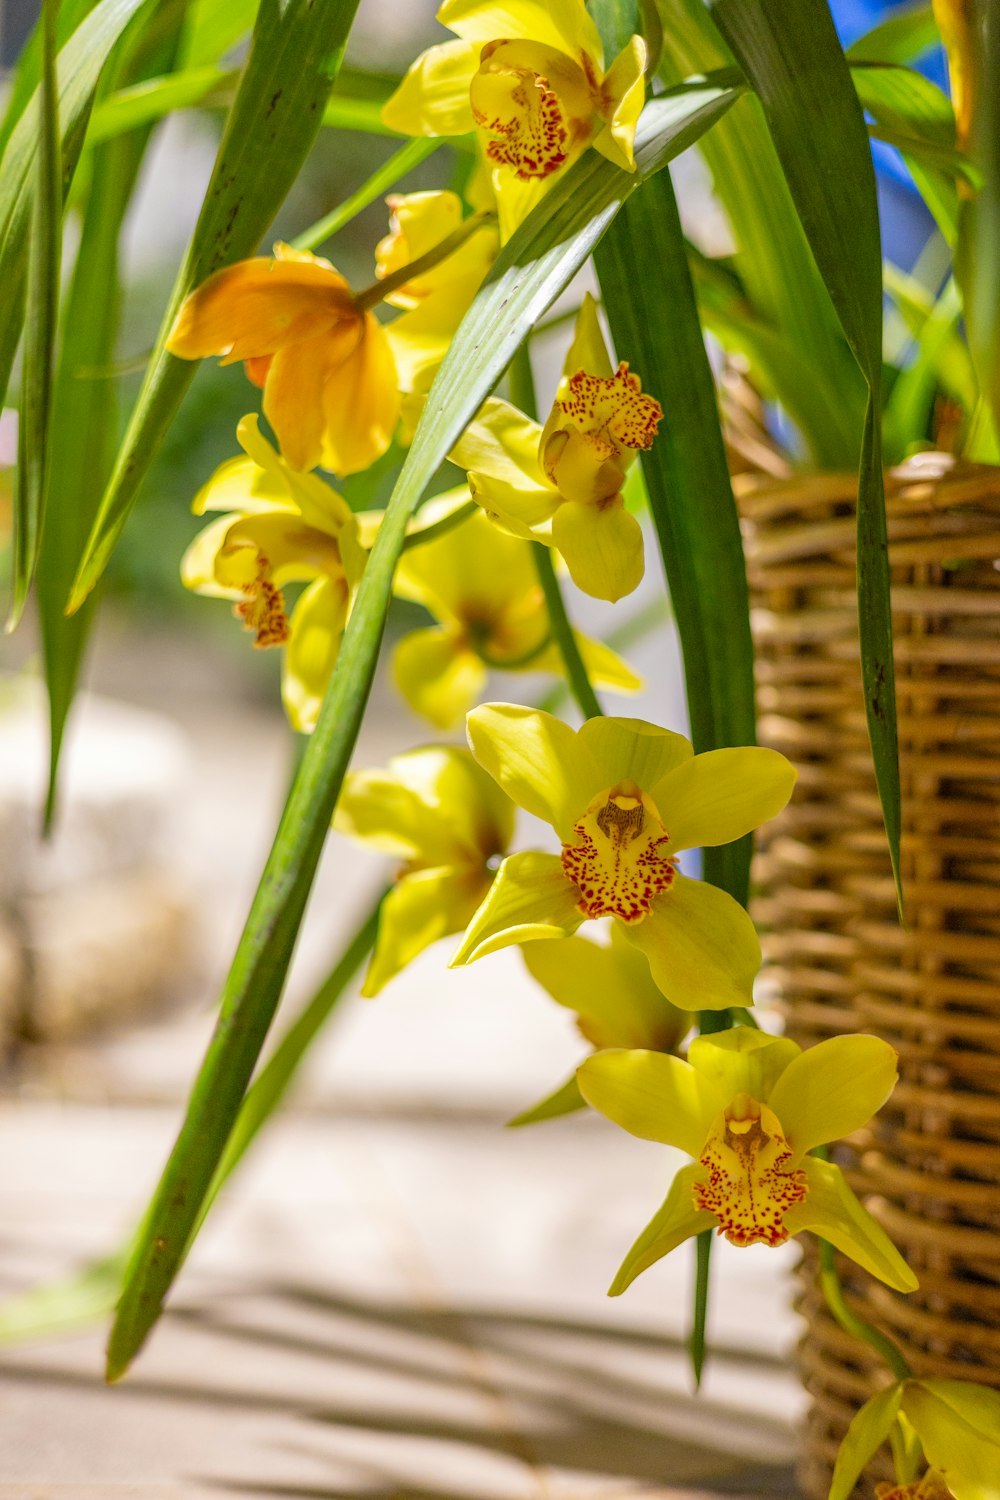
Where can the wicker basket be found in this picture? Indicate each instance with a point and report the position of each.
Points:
(930, 1166)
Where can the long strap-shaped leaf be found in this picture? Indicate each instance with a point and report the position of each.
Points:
(294, 57)
(531, 271)
(643, 270)
(44, 261)
(791, 55)
(85, 402)
(80, 64)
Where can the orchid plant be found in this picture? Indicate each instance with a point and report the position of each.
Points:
(560, 120)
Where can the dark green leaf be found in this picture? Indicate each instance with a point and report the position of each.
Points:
(533, 268)
(26, 74)
(977, 255)
(44, 261)
(790, 53)
(655, 326)
(783, 290)
(293, 61)
(85, 411)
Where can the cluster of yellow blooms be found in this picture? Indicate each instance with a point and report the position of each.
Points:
(623, 797)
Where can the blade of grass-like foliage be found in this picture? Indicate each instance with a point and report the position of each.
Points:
(146, 102)
(790, 53)
(785, 293)
(902, 37)
(940, 359)
(85, 402)
(79, 68)
(90, 1293)
(213, 28)
(44, 261)
(384, 177)
(532, 269)
(655, 325)
(294, 56)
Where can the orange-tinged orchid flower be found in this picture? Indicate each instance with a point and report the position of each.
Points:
(327, 368)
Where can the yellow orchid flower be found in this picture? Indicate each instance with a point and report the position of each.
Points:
(435, 810)
(956, 1422)
(326, 366)
(561, 484)
(280, 526)
(331, 373)
(483, 589)
(625, 798)
(530, 79)
(611, 991)
(749, 1107)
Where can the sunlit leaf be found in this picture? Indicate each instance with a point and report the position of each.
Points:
(790, 53)
(905, 34)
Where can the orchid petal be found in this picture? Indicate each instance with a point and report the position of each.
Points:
(315, 629)
(611, 991)
(652, 1095)
(421, 908)
(631, 750)
(240, 484)
(439, 677)
(869, 1429)
(433, 98)
(743, 1061)
(501, 443)
(832, 1089)
(702, 947)
(624, 90)
(537, 759)
(198, 562)
(564, 24)
(831, 1210)
(605, 668)
(602, 545)
(293, 397)
(678, 1220)
(720, 795)
(259, 306)
(530, 898)
(588, 351)
(966, 1456)
(361, 401)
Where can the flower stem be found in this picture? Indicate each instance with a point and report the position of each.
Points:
(372, 295)
(522, 394)
(853, 1322)
(387, 175)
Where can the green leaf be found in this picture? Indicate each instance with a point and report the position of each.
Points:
(905, 101)
(655, 326)
(44, 261)
(85, 411)
(146, 102)
(530, 272)
(783, 290)
(26, 75)
(84, 1297)
(941, 359)
(869, 1429)
(80, 64)
(294, 57)
(213, 29)
(902, 37)
(790, 53)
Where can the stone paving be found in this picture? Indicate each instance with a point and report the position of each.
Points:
(397, 1298)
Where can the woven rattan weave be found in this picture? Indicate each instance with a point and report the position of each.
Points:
(839, 957)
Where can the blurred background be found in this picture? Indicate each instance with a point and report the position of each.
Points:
(396, 1296)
